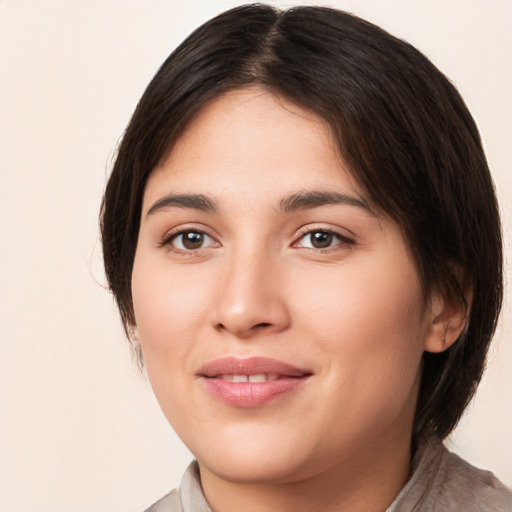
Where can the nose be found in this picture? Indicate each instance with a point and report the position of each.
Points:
(251, 298)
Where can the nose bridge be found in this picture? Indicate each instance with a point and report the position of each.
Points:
(250, 297)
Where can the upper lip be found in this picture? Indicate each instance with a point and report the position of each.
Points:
(251, 366)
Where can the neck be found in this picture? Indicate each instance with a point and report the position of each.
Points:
(367, 480)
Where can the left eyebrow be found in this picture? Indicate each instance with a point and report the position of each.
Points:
(315, 199)
(193, 201)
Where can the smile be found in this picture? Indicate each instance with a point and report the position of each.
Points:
(251, 382)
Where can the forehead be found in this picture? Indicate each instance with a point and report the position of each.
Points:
(255, 141)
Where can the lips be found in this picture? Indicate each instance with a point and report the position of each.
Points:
(251, 382)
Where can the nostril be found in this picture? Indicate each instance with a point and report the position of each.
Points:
(263, 324)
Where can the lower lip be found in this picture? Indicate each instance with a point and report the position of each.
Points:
(251, 394)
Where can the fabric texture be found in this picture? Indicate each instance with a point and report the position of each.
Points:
(440, 482)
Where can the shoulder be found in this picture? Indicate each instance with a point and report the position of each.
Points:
(169, 503)
(464, 485)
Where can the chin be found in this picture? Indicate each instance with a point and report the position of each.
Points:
(251, 467)
(251, 455)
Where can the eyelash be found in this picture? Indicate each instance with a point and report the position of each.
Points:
(168, 239)
(342, 240)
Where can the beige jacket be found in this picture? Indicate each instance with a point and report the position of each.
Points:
(440, 482)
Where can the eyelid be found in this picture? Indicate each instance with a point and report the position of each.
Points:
(169, 235)
(306, 230)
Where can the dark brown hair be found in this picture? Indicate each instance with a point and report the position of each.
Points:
(399, 124)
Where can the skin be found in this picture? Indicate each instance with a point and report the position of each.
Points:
(350, 312)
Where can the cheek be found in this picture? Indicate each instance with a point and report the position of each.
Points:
(381, 298)
(367, 328)
(169, 306)
(368, 321)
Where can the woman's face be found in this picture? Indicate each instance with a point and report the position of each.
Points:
(280, 316)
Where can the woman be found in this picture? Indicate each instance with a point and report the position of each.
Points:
(302, 236)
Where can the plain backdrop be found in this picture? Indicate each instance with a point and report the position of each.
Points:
(79, 429)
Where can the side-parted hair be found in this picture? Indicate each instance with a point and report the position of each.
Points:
(399, 124)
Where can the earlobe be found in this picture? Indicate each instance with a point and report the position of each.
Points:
(133, 334)
(136, 346)
(448, 319)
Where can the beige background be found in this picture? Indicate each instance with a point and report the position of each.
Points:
(79, 430)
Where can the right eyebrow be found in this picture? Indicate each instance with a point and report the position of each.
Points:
(194, 201)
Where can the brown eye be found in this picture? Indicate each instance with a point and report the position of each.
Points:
(191, 240)
(322, 239)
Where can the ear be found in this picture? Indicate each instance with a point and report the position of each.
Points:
(132, 333)
(136, 346)
(448, 319)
